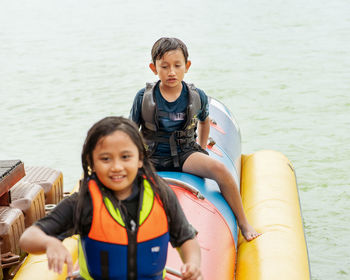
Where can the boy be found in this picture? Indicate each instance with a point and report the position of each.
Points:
(168, 112)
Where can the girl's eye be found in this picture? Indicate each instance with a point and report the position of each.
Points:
(126, 156)
(105, 158)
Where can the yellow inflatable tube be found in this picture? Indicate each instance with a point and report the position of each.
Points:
(271, 203)
(35, 266)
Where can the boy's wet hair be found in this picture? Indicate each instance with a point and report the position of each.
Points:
(164, 45)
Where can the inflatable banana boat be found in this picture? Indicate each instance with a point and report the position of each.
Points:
(271, 203)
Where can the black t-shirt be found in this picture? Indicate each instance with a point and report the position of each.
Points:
(60, 221)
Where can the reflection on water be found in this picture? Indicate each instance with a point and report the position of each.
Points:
(282, 67)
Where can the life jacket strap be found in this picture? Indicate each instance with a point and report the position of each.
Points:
(104, 265)
(173, 150)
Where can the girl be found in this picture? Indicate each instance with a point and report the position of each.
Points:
(124, 213)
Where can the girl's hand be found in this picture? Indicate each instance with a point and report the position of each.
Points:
(191, 272)
(57, 255)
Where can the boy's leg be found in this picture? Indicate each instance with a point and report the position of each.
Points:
(202, 165)
(165, 163)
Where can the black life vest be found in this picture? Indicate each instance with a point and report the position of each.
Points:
(150, 122)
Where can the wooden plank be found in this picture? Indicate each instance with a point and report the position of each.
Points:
(11, 171)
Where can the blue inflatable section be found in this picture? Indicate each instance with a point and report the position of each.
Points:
(228, 147)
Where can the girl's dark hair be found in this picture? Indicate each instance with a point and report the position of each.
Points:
(165, 44)
(103, 128)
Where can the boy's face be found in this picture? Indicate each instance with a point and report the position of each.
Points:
(171, 68)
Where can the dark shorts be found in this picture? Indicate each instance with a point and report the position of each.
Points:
(166, 163)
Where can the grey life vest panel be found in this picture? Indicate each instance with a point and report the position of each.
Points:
(150, 122)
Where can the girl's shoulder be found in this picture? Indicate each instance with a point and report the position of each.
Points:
(60, 219)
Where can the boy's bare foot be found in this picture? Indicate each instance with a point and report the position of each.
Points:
(248, 232)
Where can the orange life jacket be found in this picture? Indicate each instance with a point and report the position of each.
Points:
(113, 251)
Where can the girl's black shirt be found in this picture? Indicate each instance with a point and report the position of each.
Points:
(60, 221)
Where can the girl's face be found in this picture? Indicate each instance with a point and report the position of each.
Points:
(116, 161)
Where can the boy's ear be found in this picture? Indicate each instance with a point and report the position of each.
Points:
(188, 65)
(153, 68)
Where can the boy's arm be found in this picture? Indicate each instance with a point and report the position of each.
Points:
(135, 111)
(191, 257)
(203, 132)
(35, 241)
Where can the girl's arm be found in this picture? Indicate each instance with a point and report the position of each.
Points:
(203, 132)
(35, 241)
(191, 257)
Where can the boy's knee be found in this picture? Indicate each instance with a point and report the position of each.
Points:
(219, 168)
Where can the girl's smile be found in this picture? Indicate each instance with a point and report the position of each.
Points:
(116, 161)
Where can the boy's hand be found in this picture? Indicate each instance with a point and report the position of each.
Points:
(57, 255)
(191, 272)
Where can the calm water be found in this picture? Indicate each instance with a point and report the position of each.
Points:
(282, 67)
